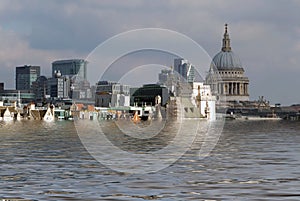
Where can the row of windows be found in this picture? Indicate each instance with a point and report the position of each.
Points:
(229, 72)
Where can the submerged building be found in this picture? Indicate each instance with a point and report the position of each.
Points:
(226, 74)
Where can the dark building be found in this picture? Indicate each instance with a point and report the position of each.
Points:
(1, 86)
(147, 93)
(40, 88)
(25, 76)
(76, 71)
(70, 67)
(59, 86)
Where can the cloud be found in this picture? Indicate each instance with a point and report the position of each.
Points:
(15, 51)
(264, 33)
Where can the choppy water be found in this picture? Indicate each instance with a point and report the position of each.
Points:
(253, 160)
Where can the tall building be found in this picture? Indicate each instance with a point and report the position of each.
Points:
(25, 76)
(40, 88)
(70, 67)
(168, 78)
(58, 86)
(76, 70)
(185, 70)
(226, 74)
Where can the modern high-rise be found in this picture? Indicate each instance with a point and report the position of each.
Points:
(185, 70)
(25, 76)
(70, 67)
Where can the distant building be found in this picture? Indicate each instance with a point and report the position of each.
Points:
(58, 86)
(185, 70)
(147, 94)
(80, 88)
(1, 86)
(168, 78)
(23, 96)
(164, 75)
(70, 67)
(25, 76)
(40, 88)
(226, 74)
(76, 70)
(112, 94)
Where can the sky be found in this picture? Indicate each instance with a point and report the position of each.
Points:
(265, 34)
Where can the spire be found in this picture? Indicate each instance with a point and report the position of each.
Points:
(226, 41)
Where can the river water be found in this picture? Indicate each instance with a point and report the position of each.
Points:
(253, 160)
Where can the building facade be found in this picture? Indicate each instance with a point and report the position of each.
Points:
(58, 86)
(226, 74)
(168, 78)
(185, 70)
(76, 71)
(112, 94)
(25, 76)
(70, 67)
(20, 96)
(147, 94)
(40, 88)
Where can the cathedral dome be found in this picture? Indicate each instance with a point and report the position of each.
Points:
(226, 59)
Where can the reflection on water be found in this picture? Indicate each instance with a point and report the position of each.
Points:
(252, 160)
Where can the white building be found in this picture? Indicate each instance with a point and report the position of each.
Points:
(202, 98)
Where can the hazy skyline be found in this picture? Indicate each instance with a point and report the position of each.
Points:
(265, 34)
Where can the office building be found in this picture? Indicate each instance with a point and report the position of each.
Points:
(112, 94)
(58, 86)
(147, 94)
(70, 67)
(185, 70)
(40, 88)
(25, 76)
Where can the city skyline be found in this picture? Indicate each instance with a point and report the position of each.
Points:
(267, 42)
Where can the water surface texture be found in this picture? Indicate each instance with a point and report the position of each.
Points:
(253, 160)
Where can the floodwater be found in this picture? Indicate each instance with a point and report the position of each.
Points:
(253, 160)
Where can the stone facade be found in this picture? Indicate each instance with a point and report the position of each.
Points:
(226, 75)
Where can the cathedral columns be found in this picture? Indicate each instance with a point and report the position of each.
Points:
(242, 89)
(245, 88)
(235, 88)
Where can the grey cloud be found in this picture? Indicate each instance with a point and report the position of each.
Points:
(264, 33)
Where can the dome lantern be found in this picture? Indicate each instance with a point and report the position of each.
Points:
(226, 41)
